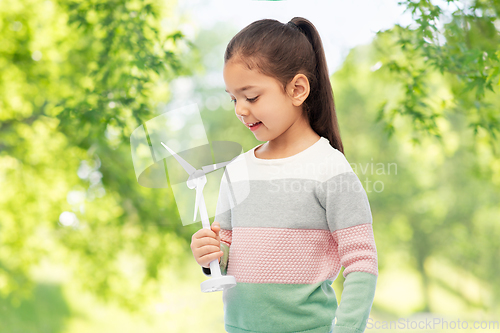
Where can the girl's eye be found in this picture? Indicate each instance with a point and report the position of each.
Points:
(251, 100)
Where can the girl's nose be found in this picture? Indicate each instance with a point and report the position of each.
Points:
(241, 111)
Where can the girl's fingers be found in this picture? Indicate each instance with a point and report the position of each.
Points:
(212, 255)
(209, 241)
(204, 244)
(207, 249)
(216, 228)
(200, 234)
(212, 249)
(206, 259)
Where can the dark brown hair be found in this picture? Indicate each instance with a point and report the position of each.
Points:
(282, 51)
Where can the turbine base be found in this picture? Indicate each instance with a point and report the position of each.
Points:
(218, 283)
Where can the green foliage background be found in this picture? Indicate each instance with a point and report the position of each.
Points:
(418, 111)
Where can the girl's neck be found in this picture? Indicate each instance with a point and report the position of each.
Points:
(288, 143)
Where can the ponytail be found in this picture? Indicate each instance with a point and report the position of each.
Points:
(320, 107)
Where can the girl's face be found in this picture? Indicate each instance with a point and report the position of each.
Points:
(260, 98)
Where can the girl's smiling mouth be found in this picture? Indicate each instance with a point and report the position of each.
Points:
(254, 126)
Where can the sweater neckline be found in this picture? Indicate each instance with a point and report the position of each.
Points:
(286, 159)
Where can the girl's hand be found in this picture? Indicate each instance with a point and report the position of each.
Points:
(205, 245)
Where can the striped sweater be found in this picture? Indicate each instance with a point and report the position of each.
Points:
(287, 227)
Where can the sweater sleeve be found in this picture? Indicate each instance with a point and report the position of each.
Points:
(223, 216)
(350, 221)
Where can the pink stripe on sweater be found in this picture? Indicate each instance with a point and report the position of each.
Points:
(357, 249)
(226, 236)
(287, 256)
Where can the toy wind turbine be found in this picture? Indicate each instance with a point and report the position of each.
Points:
(176, 141)
(197, 180)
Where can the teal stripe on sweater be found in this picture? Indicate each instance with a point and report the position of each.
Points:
(308, 308)
(280, 308)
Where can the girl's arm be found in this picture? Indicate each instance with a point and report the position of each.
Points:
(358, 254)
(350, 221)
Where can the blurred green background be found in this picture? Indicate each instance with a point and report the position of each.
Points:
(85, 248)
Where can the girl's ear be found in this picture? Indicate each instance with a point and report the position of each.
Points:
(298, 89)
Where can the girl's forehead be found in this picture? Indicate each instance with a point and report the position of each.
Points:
(233, 67)
(238, 76)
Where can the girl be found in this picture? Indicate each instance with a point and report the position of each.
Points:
(306, 214)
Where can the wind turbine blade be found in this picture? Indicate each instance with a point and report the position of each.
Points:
(188, 167)
(209, 168)
(212, 167)
(196, 203)
(200, 184)
(205, 222)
